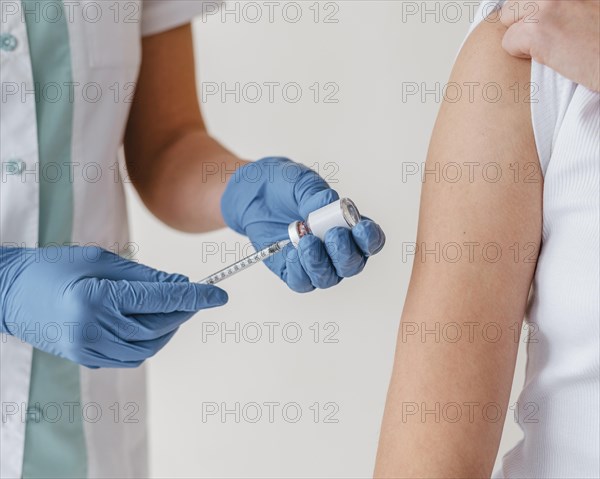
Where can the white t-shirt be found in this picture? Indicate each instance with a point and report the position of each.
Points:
(559, 405)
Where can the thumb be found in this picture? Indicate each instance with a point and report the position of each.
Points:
(316, 201)
(512, 12)
(517, 40)
(307, 183)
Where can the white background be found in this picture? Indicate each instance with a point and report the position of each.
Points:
(362, 144)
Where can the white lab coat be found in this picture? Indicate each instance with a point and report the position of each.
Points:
(105, 57)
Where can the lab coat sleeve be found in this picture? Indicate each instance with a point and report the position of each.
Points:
(162, 15)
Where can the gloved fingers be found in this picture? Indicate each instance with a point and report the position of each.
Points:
(114, 267)
(294, 274)
(346, 257)
(141, 350)
(277, 264)
(133, 271)
(93, 359)
(285, 264)
(316, 262)
(369, 237)
(304, 182)
(314, 200)
(155, 297)
(264, 233)
(112, 363)
(125, 351)
(144, 327)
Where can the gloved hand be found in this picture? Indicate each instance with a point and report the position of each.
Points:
(262, 198)
(94, 307)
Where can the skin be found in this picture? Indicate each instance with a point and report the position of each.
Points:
(478, 368)
(562, 34)
(178, 169)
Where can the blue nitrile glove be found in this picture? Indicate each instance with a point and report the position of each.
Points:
(263, 198)
(94, 307)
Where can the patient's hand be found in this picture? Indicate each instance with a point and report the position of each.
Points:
(562, 34)
(479, 232)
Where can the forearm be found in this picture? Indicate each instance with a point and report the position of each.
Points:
(185, 182)
(178, 169)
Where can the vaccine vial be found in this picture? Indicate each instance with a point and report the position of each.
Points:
(341, 213)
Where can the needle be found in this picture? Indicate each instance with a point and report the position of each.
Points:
(245, 263)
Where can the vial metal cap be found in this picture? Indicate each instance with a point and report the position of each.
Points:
(350, 212)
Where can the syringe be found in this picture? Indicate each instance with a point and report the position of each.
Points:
(341, 213)
(245, 263)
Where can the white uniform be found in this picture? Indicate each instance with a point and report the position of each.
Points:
(92, 423)
(559, 406)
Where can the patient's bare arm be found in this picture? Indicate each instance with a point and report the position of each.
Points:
(445, 393)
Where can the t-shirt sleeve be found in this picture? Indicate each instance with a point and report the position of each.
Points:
(487, 9)
(162, 15)
(550, 93)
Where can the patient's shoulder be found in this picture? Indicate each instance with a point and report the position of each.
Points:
(483, 60)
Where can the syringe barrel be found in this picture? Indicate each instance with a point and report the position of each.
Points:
(342, 213)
